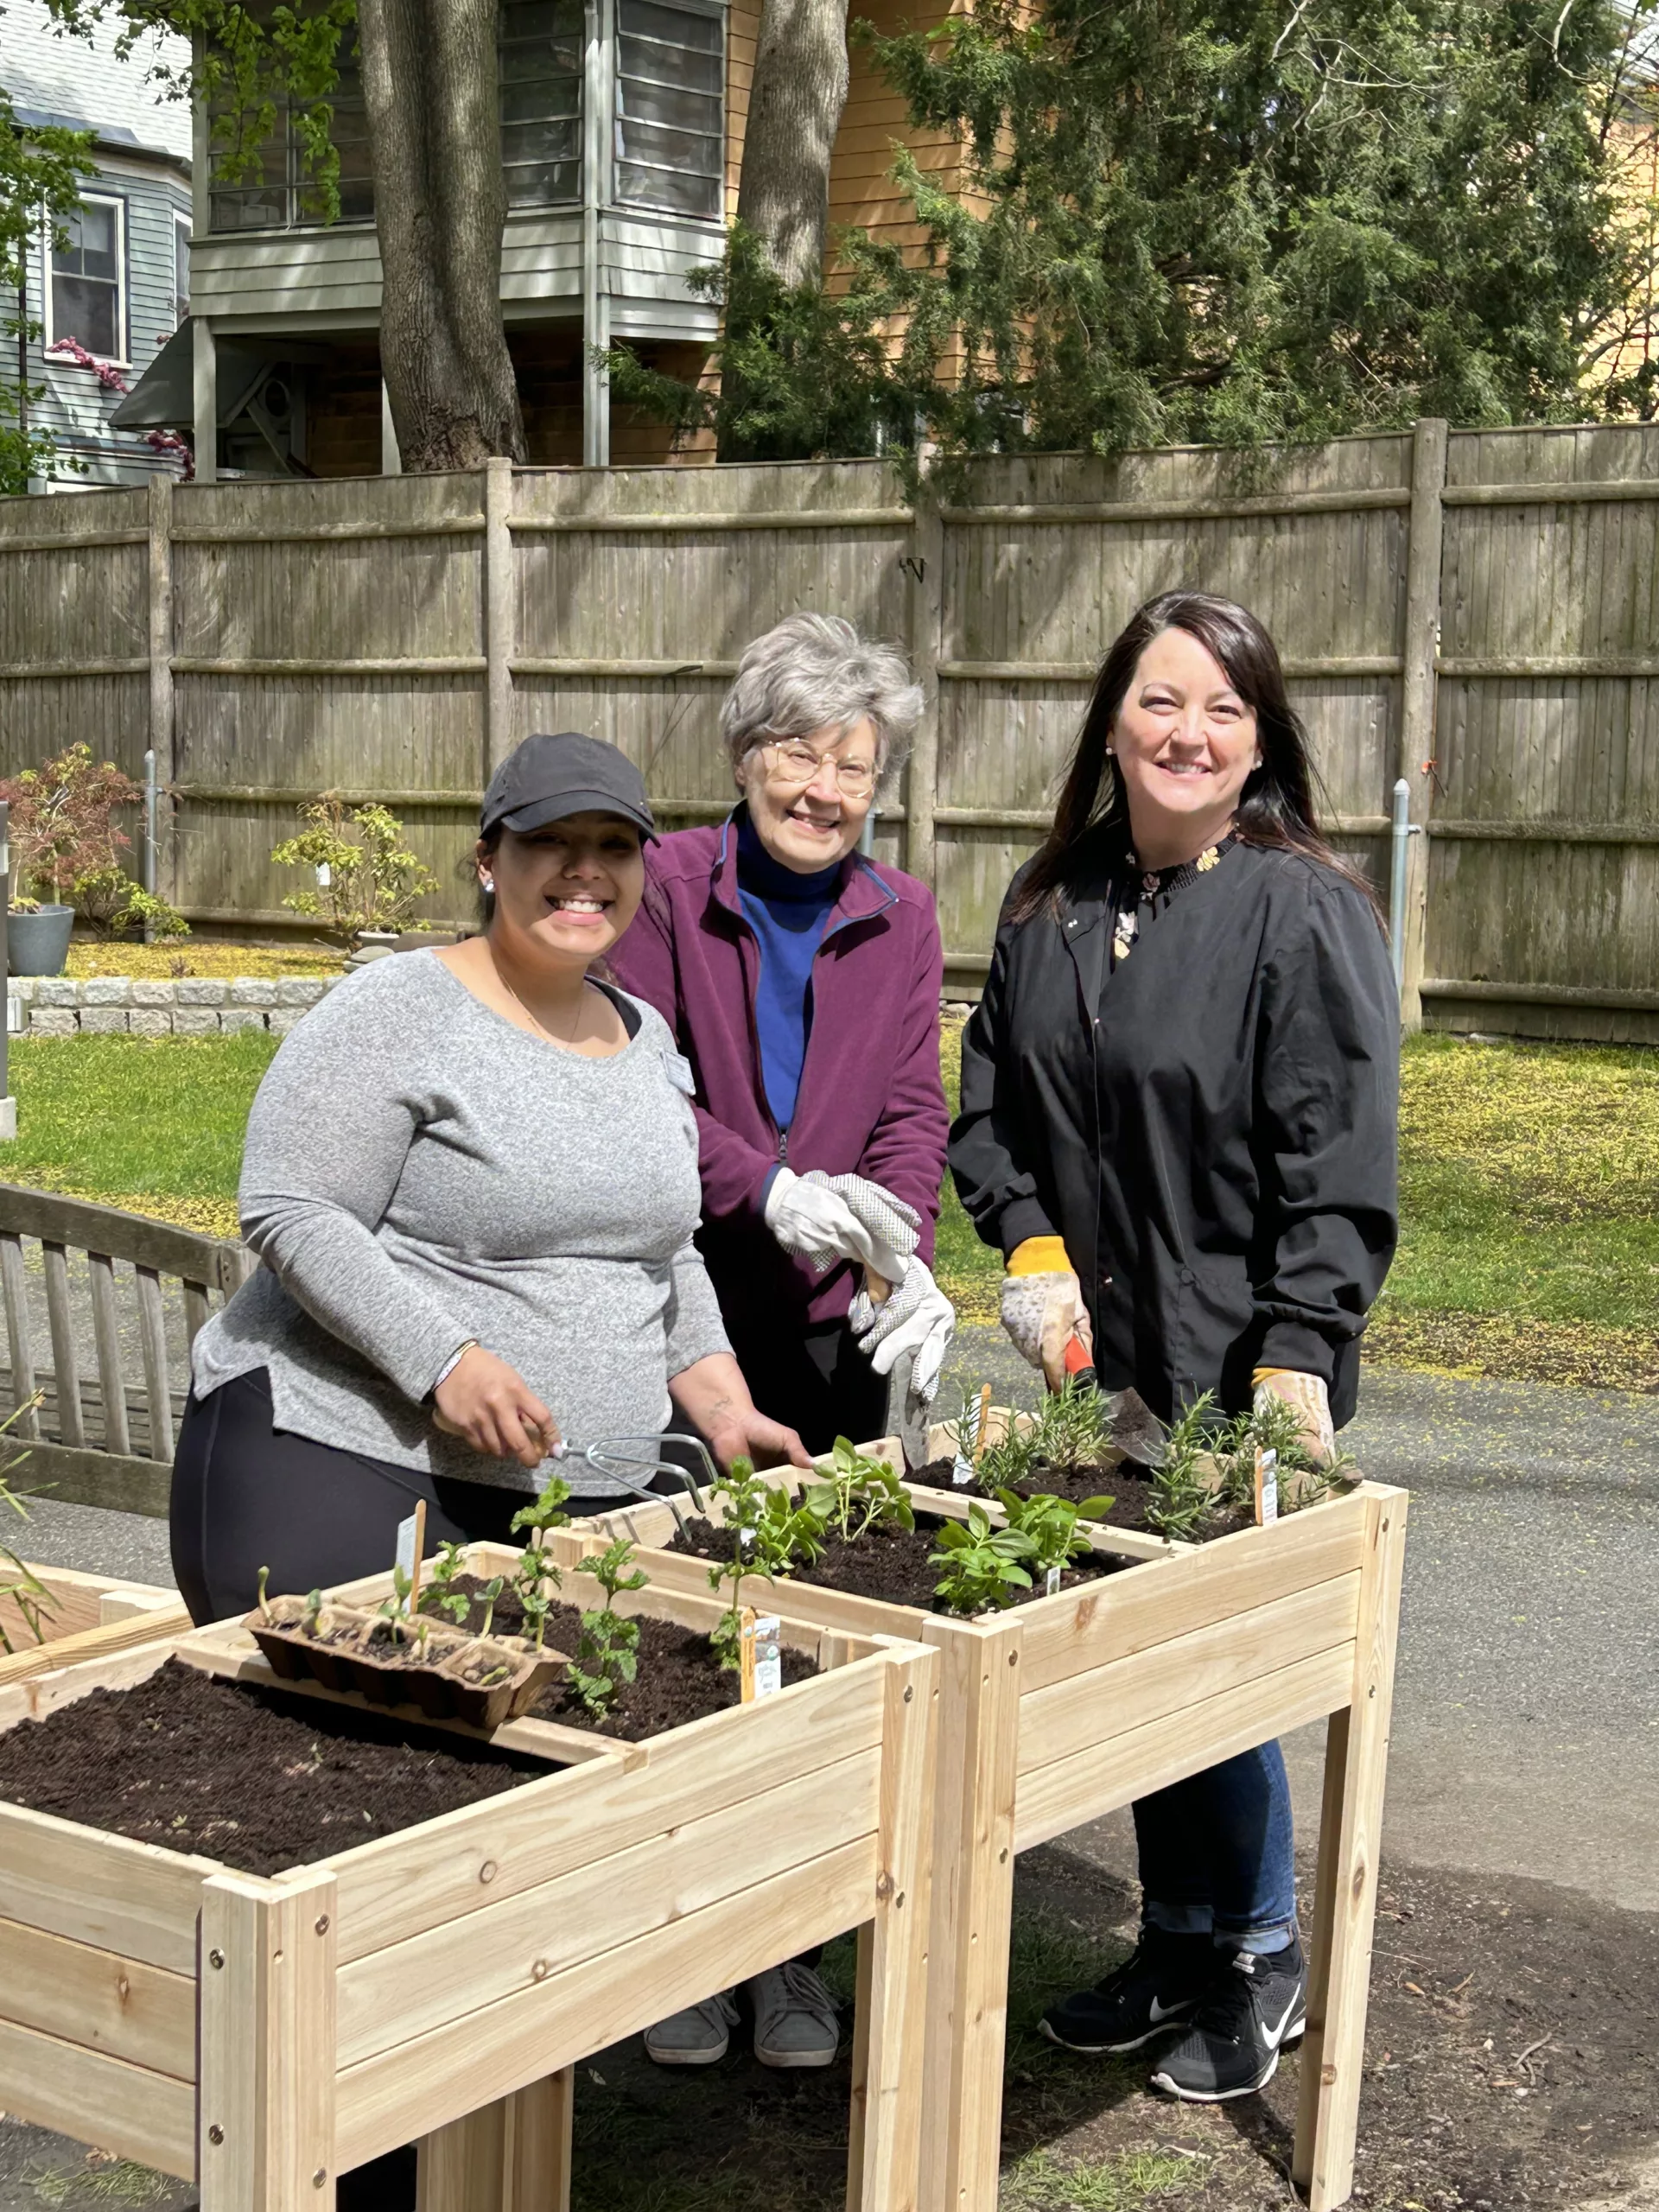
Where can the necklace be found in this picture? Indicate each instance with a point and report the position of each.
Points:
(531, 1016)
(1146, 886)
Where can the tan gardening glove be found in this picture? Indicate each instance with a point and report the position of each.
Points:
(1310, 1400)
(1042, 1306)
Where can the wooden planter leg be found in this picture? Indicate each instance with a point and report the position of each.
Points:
(973, 1903)
(512, 2156)
(265, 2102)
(885, 2131)
(1350, 1827)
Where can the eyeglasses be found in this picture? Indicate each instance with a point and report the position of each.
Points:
(795, 764)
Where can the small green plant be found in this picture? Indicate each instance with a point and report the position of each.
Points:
(374, 882)
(983, 1568)
(1051, 1524)
(442, 1595)
(607, 1654)
(313, 1614)
(263, 1584)
(35, 1603)
(537, 1575)
(490, 1596)
(772, 1535)
(1273, 1424)
(1071, 1428)
(858, 1494)
(1180, 1497)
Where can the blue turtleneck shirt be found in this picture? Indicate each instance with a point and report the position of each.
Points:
(787, 913)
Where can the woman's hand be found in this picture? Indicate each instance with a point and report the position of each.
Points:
(490, 1404)
(1308, 1398)
(715, 1399)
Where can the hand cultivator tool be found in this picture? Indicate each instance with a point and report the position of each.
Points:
(623, 1458)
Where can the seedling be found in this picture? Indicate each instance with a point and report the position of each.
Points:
(607, 1654)
(450, 1562)
(547, 1512)
(264, 1584)
(1051, 1524)
(1072, 1426)
(313, 1612)
(1274, 1424)
(858, 1494)
(773, 1534)
(1181, 1498)
(983, 1567)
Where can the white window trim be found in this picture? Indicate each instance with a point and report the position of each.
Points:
(124, 359)
(181, 222)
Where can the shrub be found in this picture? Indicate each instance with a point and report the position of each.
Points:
(374, 883)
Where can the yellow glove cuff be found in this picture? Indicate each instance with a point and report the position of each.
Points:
(1265, 1374)
(1039, 1256)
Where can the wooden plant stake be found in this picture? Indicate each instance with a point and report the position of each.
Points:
(411, 1547)
(980, 1433)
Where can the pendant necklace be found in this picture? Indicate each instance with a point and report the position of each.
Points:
(531, 1016)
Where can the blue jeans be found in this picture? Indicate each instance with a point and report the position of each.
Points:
(1217, 1855)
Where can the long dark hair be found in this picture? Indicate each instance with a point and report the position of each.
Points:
(1277, 807)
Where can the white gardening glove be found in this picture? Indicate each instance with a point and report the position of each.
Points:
(1042, 1306)
(824, 1219)
(917, 1318)
(1310, 1400)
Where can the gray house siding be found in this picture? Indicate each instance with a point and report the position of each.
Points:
(77, 406)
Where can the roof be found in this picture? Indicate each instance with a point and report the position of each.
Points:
(50, 77)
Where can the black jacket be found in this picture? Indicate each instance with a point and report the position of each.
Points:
(1210, 1127)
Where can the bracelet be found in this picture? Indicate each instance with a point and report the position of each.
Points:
(453, 1362)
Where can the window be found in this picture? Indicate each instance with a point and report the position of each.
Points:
(670, 147)
(276, 194)
(89, 279)
(541, 43)
(181, 268)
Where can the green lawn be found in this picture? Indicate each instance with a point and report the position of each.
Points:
(1529, 1177)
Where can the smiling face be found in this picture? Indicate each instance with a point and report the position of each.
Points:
(564, 894)
(1185, 743)
(810, 823)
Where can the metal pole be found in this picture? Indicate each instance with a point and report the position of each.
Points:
(8, 1103)
(1401, 840)
(149, 835)
(866, 834)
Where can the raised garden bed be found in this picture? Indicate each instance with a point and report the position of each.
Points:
(267, 2030)
(52, 1616)
(1058, 1709)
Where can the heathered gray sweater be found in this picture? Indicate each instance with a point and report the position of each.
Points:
(419, 1171)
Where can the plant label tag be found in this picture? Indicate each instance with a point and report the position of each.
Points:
(768, 1657)
(411, 1544)
(1266, 1488)
(1050, 1582)
(962, 1467)
(325, 875)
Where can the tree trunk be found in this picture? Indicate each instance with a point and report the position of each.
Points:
(439, 200)
(799, 89)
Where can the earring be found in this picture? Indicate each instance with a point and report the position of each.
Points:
(489, 882)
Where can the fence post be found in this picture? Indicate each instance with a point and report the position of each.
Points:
(160, 670)
(1416, 760)
(926, 629)
(499, 614)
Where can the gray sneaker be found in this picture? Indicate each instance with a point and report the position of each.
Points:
(698, 2037)
(794, 2017)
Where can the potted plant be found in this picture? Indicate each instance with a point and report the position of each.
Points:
(368, 885)
(61, 828)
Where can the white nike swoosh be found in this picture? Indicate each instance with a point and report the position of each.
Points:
(1161, 2012)
(1271, 2036)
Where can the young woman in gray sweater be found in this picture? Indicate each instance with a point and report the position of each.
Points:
(471, 1176)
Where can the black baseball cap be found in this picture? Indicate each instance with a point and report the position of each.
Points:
(547, 777)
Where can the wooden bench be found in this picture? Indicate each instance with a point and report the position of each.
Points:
(103, 1442)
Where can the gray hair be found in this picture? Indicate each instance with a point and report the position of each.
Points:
(814, 671)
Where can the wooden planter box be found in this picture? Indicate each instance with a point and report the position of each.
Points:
(265, 2035)
(1062, 1709)
(93, 1615)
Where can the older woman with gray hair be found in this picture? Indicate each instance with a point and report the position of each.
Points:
(802, 982)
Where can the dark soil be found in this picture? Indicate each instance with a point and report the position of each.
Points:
(257, 1778)
(891, 1564)
(1128, 1487)
(679, 1678)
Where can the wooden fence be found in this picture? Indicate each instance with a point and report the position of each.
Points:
(1475, 612)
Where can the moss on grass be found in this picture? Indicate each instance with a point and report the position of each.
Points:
(198, 957)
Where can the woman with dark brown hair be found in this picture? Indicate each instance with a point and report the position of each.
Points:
(1178, 1122)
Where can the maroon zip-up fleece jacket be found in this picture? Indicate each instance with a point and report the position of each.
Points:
(870, 1103)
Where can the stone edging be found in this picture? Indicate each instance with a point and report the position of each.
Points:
(189, 1005)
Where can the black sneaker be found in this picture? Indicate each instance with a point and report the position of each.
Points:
(1231, 2049)
(1157, 1987)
